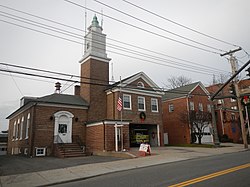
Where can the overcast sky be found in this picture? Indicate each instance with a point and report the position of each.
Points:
(29, 45)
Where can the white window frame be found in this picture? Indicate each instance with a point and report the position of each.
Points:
(21, 129)
(156, 102)
(171, 107)
(17, 128)
(191, 105)
(200, 107)
(130, 103)
(144, 104)
(232, 100)
(27, 127)
(14, 131)
(140, 85)
(40, 148)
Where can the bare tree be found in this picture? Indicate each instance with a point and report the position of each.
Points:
(178, 81)
(198, 121)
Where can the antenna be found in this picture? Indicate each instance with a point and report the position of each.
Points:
(85, 26)
(102, 18)
(112, 71)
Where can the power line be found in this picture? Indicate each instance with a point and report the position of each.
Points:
(84, 31)
(108, 86)
(181, 25)
(145, 30)
(65, 32)
(55, 29)
(41, 32)
(42, 18)
(160, 28)
(169, 61)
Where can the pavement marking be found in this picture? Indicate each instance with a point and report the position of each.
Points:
(206, 177)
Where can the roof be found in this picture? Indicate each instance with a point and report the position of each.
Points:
(182, 91)
(132, 78)
(63, 99)
(56, 99)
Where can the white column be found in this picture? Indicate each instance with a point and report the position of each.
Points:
(116, 140)
(158, 135)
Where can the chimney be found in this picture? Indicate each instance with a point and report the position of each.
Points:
(77, 89)
(58, 87)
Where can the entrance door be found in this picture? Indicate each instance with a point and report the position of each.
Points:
(63, 127)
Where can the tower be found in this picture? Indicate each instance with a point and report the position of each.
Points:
(95, 72)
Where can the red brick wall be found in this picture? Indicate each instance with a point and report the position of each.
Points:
(96, 72)
(178, 130)
(41, 132)
(133, 115)
(94, 138)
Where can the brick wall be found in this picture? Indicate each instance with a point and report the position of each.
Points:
(94, 138)
(96, 72)
(41, 131)
(178, 130)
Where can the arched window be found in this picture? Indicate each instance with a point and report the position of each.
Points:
(140, 84)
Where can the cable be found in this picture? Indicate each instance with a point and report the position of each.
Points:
(181, 25)
(15, 83)
(145, 30)
(81, 43)
(41, 32)
(42, 18)
(97, 84)
(39, 25)
(46, 71)
(155, 26)
(108, 38)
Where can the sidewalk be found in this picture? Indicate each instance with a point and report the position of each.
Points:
(160, 155)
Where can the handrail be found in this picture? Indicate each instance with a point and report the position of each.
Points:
(80, 143)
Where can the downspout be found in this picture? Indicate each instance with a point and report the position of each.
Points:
(104, 138)
(33, 113)
(188, 116)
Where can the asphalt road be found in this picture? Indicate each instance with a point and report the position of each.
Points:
(11, 165)
(175, 173)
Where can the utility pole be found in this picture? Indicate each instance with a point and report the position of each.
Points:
(233, 63)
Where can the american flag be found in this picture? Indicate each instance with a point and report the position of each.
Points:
(119, 104)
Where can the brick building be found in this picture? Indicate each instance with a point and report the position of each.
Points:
(58, 123)
(226, 111)
(192, 97)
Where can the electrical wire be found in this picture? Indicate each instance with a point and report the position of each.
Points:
(160, 28)
(181, 25)
(142, 29)
(65, 32)
(191, 69)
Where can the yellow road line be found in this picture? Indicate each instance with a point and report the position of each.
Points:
(206, 177)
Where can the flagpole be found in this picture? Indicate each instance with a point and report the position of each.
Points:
(121, 115)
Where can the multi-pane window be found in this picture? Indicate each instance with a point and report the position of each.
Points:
(154, 105)
(171, 107)
(27, 127)
(141, 103)
(200, 107)
(40, 151)
(14, 131)
(17, 128)
(191, 105)
(126, 101)
(21, 128)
